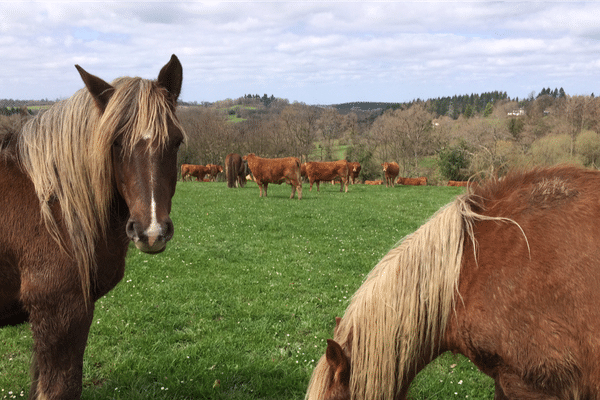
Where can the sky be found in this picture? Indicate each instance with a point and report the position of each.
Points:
(309, 52)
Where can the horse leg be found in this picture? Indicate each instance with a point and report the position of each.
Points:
(60, 330)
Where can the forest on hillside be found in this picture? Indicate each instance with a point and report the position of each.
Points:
(445, 138)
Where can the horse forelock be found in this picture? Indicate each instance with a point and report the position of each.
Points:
(139, 110)
(66, 151)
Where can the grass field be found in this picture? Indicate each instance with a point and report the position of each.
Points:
(240, 304)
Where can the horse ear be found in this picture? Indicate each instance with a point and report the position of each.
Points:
(335, 355)
(100, 90)
(338, 361)
(171, 76)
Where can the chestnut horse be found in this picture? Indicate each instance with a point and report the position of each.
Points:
(508, 275)
(235, 170)
(78, 183)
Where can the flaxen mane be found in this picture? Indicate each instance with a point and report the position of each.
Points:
(66, 152)
(400, 312)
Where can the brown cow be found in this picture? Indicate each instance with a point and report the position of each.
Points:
(376, 182)
(197, 171)
(420, 181)
(275, 170)
(317, 171)
(353, 171)
(214, 170)
(458, 183)
(235, 170)
(391, 171)
(303, 170)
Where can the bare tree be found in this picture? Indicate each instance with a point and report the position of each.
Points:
(298, 122)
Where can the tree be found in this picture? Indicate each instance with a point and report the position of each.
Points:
(454, 162)
(298, 122)
(489, 108)
(405, 135)
(331, 126)
(515, 127)
(587, 146)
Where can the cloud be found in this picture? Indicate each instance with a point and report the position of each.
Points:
(318, 52)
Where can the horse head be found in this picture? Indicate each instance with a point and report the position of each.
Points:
(144, 151)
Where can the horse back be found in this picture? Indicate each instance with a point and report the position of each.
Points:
(527, 312)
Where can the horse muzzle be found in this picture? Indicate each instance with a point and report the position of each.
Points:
(152, 238)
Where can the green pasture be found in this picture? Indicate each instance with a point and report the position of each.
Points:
(241, 303)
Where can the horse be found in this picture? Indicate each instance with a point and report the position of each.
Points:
(508, 274)
(235, 170)
(79, 182)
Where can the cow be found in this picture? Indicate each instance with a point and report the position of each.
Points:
(376, 182)
(391, 171)
(275, 170)
(214, 170)
(197, 171)
(354, 170)
(458, 183)
(317, 171)
(235, 170)
(303, 171)
(420, 181)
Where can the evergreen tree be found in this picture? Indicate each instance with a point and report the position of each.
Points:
(488, 109)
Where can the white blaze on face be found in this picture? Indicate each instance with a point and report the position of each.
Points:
(154, 228)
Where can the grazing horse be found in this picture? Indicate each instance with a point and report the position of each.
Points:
(508, 275)
(235, 170)
(78, 183)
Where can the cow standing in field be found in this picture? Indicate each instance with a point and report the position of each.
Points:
(420, 181)
(235, 170)
(214, 170)
(275, 170)
(391, 171)
(317, 171)
(197, 171)
(354, 170)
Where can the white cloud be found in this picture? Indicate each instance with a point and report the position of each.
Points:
(311, 52)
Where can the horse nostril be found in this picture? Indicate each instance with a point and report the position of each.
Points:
(130, 230)
(169, 230)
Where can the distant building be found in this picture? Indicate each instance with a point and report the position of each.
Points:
(517, 113)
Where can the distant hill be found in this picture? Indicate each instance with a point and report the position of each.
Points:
(345, 108)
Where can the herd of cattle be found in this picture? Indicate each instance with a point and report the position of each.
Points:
(263, 171)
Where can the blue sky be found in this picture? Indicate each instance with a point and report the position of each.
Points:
(311, 52)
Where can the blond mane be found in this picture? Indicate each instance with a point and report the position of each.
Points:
(401, 310)
(66, 152)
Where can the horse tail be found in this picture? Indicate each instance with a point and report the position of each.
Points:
(407, 300)
(229, 171)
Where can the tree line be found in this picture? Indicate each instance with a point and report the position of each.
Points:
(445, 138)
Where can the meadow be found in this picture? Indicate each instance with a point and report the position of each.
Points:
(241, 303)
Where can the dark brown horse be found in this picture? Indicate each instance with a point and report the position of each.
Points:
(235, 170)
(78, 183)
(508, 275)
